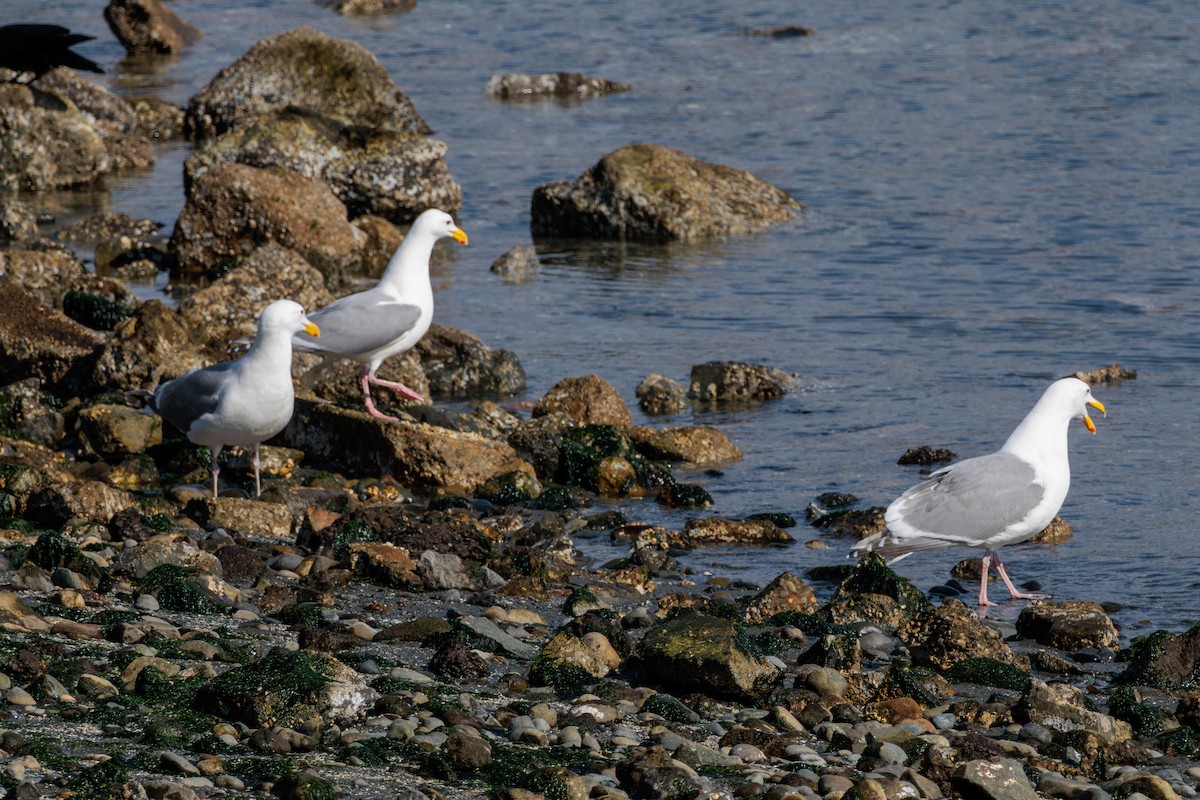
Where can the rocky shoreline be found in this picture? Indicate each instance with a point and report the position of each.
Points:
(404, 613)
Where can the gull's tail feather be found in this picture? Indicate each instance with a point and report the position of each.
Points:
(893, 548)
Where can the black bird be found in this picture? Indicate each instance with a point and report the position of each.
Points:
(41, 48)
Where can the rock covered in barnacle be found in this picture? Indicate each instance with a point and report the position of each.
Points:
(650, 192)
(517, 85)
(148, 26)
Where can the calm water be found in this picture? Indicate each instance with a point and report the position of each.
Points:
(998, 197)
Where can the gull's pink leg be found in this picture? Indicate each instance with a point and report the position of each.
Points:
(398, 388)
(1012, 590)
(215, 468)
(257, 481)
(983, 578)
(374, 412)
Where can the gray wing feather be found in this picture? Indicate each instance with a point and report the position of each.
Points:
(972, 500)
(357, 324)
(189, 397)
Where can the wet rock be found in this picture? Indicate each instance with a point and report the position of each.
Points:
(385, 562)
(24, 414)
(54, 506)
(494, 639)
(785, 593)
(1113, 373)
(1062, 707)
(654, 193)
(148, 26)
(458, 364)
(46, 274)
(467, 750)
(858, 523)
(658, 394)
(36, 341)
(998, 779)
(518, 265)
(18, 223)
(50, 144)
(691, 445)
(111, 431)
(1165, 660)
(874, 593)
(230, 306)
(152, 346)
(735, 382)
(943, 636)
(592, 653)
(110, 115)
(303, 69)
(781, 31)
(925, 456)
(588, 400)
(715, 530)
(158, 119)
(233, 208)
(355, 7)
(306, 785)
(415, 454)
(518, 85)
(286, 688)
(1067, 625)
(392, 175)
(655, 774)
(701, 653)
(1057, 532)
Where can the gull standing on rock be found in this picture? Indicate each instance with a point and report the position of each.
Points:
(990, 501)
(243, 402)
(389, 318)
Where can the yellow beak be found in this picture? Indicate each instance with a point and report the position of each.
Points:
(1096, 404)
(311, 330)
(459, 235)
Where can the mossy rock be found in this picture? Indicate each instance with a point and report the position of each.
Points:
(104, 781)
(989, 672)
(282, 688)
(351, 530)
(556, 498)
(303, 786)
(582, 450)
(1145, 719)
(444, 502)
(1165, 661)
(169, 584)
(53, 550)
(685, 495)
(96, 312)
(872, 575)
(510, 488)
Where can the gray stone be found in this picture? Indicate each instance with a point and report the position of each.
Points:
(1000, 779)
(658, 394)
(518, 265)
(444, 571)
(563, 85)
(501, 641)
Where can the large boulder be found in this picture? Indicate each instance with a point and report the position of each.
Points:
(47, 143)
(696, 652)
(587, 400)
(417, 455)
(307, 70)
(736, 382)
(393, 175)
(229, 307)
(690, 444)
(1068, 625)
(125, 138)
(148, 26)
(458, 364)
(40, 342)
(1063, 707)
(1165, 660)
(151, 346)
(234, 208)
(942, 637)
(651, 192)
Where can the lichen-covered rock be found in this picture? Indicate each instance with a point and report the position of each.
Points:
(417, 455)
(1063, 707)
(53, 274)
(48, 145)
(943, 636)
(254, 519)
(151, 346)
(234, 208)
(588, 400)
(230, 306)
(458, 364)
(691, 445)
(91, 500)
(40, 342)
(696, 652)
(148, 26)
(715, 530)
(563, 85)
(785, 593)
(658, 394)
(518, 265)
(355, 7)
(24, 414)
(307, 70)
(286, 688)
(110, 115)
(393, 175)
(735, 382)
(112, 431)
(18, 223)
(654, 193)
(592, 653)
(1068, 626)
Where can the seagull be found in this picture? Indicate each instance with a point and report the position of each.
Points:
(241, 402)
(1002, 498)
(41, 48)
(389, 318)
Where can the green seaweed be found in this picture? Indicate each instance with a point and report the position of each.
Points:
(685, 495)
(444, 502)
(104, 781)
(53, 550)
(989, 672)
(1145, 719)
(279, 688)
(96, 312)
